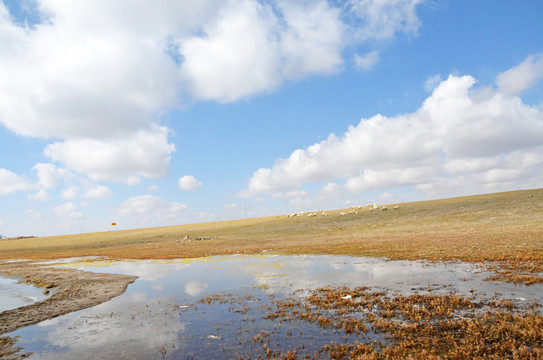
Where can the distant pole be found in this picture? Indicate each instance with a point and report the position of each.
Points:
(114, 224)
(244, 210)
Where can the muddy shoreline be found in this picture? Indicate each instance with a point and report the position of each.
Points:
(78, 290)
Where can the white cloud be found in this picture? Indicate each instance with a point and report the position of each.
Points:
(11, 183)
(370, 179)
(460, 134)
(70, 193)
(49, 175)
(68, 211)
(522, 76)
(204, 216)
(149, 204)
(330, 188)
(289, 194)
(432, 82)
(98, 192)
(250, 49)
(382, 19)
(34, 214)
(124, 159)
(152, 188)
(231, 207)
(387, 197)
(97, 77)
(40, 195)
(189, 182)
(367, 61)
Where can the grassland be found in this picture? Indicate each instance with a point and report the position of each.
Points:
(504, 231)
(495, 227)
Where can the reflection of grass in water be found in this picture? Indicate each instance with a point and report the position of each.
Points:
(10, 350)
(343, 323)
(504, 228)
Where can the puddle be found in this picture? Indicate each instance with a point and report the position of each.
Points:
(14, 295)
(161, 316)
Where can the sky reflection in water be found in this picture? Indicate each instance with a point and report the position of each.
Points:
(159, 315)
(14, 294)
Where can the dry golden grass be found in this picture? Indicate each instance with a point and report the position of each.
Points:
(419, 326)
(506, 227)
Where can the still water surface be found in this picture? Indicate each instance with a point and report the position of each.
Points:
(14, 294)
(160, 316)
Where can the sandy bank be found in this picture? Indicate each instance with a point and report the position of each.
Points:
(78, 290)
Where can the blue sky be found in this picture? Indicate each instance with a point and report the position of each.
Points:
(159, 113)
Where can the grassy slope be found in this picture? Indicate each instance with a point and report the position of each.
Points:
(503, 226)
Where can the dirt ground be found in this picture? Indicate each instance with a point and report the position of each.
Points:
(77, 290)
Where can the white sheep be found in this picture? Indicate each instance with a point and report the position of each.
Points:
(342, 214)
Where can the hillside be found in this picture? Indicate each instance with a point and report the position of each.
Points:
(475, 228)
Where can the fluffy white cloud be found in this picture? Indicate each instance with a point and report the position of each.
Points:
(124, 159)
(11, 183)
(149, 204)
(250, 49)
(68, 211)
(480, 138)
(70, 193)
(49, 175)
(98, 192)
(370, 179)
(40, 195)
(289, 194)
(189, 182)
(522, 76)
(97, 76)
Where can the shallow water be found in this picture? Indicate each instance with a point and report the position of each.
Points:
(160, 315)
(14, 294)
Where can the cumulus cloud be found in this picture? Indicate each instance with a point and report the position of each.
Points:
(382, 19)
(367, 61)
(68, 211)
(98, 77)
(11, 183)
(522, 76)
(123, 159)
(189, 182)
(149, 204)
(70, 193)
(460, 135)
(40, 195)
(289, 194)
(49, 175)
(98, 192)
(250, 49)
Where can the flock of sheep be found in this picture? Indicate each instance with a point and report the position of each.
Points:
(354, 210)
